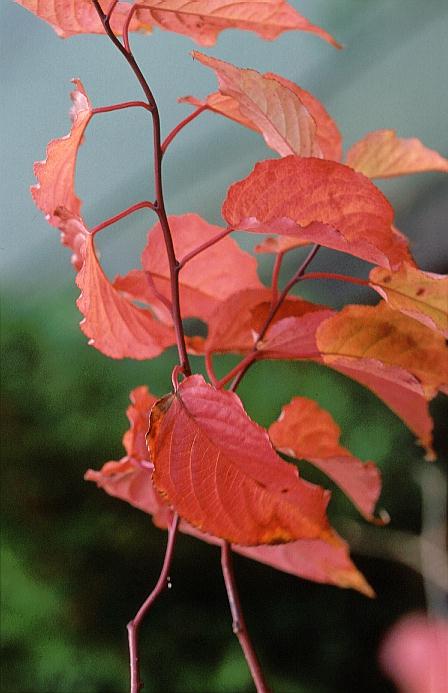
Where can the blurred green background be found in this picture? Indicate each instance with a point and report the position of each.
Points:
(76, 564)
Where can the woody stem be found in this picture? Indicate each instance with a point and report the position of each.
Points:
(246, 363)
(238, 623)
(159, 204)
(134, 625)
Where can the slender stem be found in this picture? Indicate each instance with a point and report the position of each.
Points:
(241, 369)
(204, 246)
(120, 106)
(170, 137)
(159, 204)
(242, 365)
(239, 625)
(163, 299)
(336, 277)
(122, 215)
(275, 276)
(134, 625)
(208, 357)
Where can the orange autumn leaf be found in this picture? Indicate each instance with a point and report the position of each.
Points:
(81, 17)
(421, 295)
(326, 134)
(218, 470)
(318, 201)
(203, 20)
(276, 112)
(114, 325)
(306, 431)
(386, 335)
(56, 175)
(130, 480)
(206, 281)
(381, 154)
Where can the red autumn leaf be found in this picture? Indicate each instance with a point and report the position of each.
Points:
(56, 175)
(276, 112)
(203, 20)
(306, 431)
(218, 470)
(318, 201)
(421, 295)
(294, 337)
(381, 154)
(130, 480)
(235, 326)
(113, 324)
(81, 17)
(401, 391)
(206, 280)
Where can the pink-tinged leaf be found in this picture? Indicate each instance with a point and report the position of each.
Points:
(401, 391)
(130, 477)
(235, 326)
(279, 244)
(381, 154)
(203, 20)
(295, 337)
(115, 326)
(317, 201)
(311, 559)
(206, 281)
(56, 175)
(218, 470)
(81, 17)
(327, 132)
(306, 431)
(73, 234)
(415, 654)
(277, 112)
(421, 295)
(378, 332)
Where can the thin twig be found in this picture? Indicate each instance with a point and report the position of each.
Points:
(134, 625)
(239, 625)
(204, 246)
(208, 357)
(244, 365)
(120, 106)
(170, 137)
(275, 276)
(159, 205)
(122, 215)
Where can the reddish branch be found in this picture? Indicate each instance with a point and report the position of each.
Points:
(239, 625)
(184, 365)
(122, 215)
(134, 625)
(169, 138)
(241, 369)
(159, 204)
